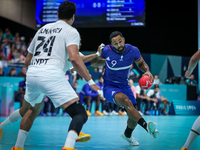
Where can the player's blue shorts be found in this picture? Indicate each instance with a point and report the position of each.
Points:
(110, 90)
(159, 100)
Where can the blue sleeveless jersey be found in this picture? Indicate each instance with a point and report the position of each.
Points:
(117, 65)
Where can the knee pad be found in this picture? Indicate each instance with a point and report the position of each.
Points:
(78, 114)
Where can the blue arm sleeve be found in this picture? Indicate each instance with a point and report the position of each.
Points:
(103, 55)
(136, 54)
(87, 63)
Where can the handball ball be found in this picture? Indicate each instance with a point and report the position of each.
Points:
(145, 82)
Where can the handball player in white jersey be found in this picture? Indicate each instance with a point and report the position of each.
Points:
(51, 47)
(195, 131)
(92, 60)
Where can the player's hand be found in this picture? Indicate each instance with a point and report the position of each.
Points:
(100, 48)
(103, 99)
(188, 73)
(155, 100)
(72, 70)
(150, 75)
(148, 98)
(97, 88)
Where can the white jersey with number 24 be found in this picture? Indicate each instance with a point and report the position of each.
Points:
(49, 49)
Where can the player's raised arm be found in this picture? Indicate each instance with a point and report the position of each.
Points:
(80, 67)
(77, 61)
(192, 63)
(98, 61)
(144, 67)
(93, 56)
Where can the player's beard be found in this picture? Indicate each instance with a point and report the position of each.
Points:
(121, 49)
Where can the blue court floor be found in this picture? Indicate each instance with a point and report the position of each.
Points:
(49, 133)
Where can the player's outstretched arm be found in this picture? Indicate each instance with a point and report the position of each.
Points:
(192, 63)
(144, 67)
(80, 67)
(92, 56)
(98, 61)
(77, 62)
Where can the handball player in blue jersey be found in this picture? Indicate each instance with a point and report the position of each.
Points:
(118, 58)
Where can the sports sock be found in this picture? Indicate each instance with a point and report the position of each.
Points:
(196, 125)
(71, 139)
(193, 135)
(21, 138)
(128, 132)
(11, 119)
(143, 123)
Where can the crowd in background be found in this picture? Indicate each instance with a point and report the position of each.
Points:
(146, 101)
(14, 49)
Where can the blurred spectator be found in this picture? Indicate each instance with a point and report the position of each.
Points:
(25, 53)
(1, 71)
(132, 87)
(156, 79)
(75, 84)
(21, 58)
(110, 109)
(16, 36)
(22, 73)
(74, 74)
(155, 94)
(96, 69)
(100, 84)
(16, 47)
(103, 71)
(2, 55)
(100, 69)
(191, 80)
(69, 77)
(7, 35)
(1, 36)
(49, 109)
(22, 89)
(87, 95)
(12, 72)
(23, 44)
(134, 74)
(6, 48)
(141, 96)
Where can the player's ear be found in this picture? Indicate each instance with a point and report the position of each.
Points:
(58, 15)
(124, 39)
(73, 17)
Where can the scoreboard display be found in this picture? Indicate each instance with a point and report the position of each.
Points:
(91, 13)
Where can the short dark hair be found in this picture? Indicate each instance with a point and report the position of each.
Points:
(156, 86)
(66, 10)
(114, 34)
(100, 76)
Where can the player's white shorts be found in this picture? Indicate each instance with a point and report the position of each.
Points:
(57, 89)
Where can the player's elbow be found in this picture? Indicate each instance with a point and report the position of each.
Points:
(194, 59)
(73, 60)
